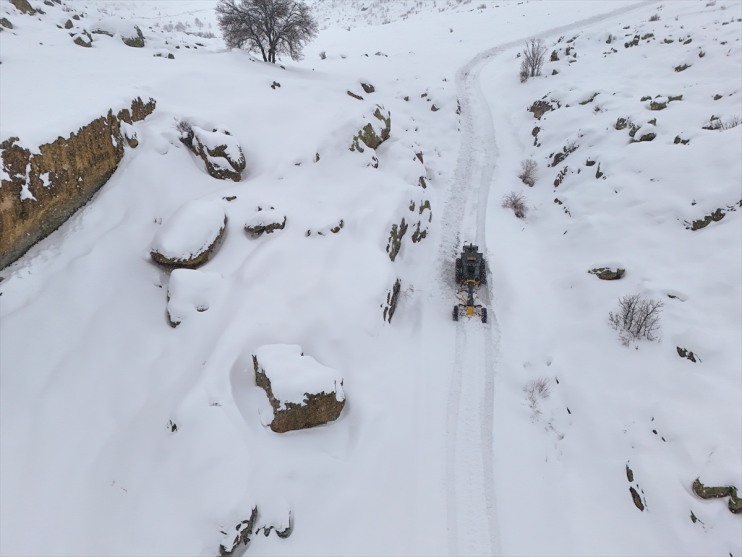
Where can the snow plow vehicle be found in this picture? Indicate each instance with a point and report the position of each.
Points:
(471, 272)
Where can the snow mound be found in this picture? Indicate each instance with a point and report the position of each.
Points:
(191, 236)
(190, 292)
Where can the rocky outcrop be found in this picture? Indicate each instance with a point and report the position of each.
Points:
(606, 273)
(253, 525)
(541, 107)
(41, 190)
(707, 492)
(265, 221)
(395, 238)
(23, 6)
(219, 151)
(374, 133)
(391, 301)
(688, 354)
(302, 392)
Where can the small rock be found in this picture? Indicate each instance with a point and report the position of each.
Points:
(606, 273)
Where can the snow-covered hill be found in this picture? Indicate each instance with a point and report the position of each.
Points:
(123, 435)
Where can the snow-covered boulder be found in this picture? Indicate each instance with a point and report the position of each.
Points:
(375, 132)
(265, 221)
(191, 236)
(302, 392)
(190, 292)
(220, 152)
(131, 34)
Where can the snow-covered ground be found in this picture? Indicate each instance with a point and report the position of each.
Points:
(513, 437)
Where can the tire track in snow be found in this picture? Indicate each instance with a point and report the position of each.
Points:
(470, 486)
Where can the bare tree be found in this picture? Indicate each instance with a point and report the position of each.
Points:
(533, 59)
(637, 318)
(271, 27)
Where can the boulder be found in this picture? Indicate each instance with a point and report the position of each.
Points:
(375, 132)
(191, 236)
(265, 221)
(606, 273)
(23, 6)
(302, 392)
(220, 152)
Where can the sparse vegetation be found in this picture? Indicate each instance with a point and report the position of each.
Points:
(271, 27)
(655, 17)
(536, 390)
(533, 59)
(528, 172)
(637, 318)
(516, 202)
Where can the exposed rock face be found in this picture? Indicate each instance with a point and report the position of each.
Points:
(395, 238)
(302, 392)
(391, 301)
(373, 134)
(221, 154)
(23, 6)
(707, 492)
(40, 191)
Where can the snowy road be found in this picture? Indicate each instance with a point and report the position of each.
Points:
(470, 436)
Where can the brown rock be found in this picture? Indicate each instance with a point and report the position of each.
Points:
(44, 189)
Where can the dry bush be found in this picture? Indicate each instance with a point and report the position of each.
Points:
(534, 54)
(637, 318)
(536, 390)
(655, 17)
(322, 55)
(516, 202)
(528, 172)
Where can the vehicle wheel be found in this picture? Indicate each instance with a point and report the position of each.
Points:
(483, 272)
(455, 313)
(459, 271)
(484, 315)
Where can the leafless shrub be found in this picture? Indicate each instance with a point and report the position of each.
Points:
(637, 318)
(533, 59)
(516, 202)
(536, 390)
(655, 17)
(528, 172)
(322, 55)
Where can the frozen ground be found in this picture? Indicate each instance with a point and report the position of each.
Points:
(439, 450)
